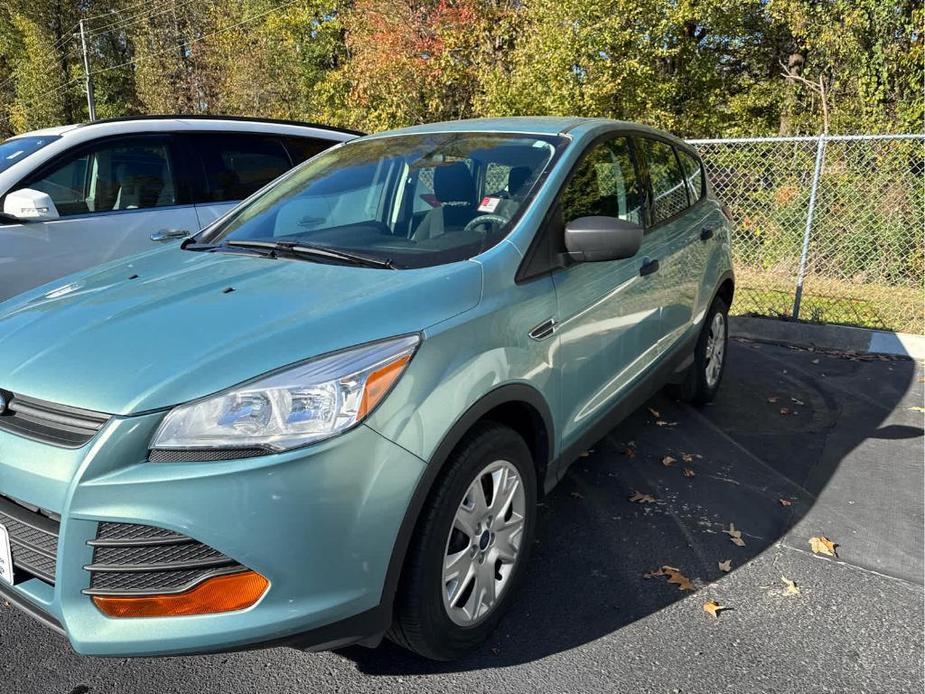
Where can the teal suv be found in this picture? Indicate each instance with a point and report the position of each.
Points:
(328, 417)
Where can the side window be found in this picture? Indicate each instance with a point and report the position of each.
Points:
(121, 175)
(303, 148)
(693, 174)
(238, 165)
(604, 184)
(669, 191)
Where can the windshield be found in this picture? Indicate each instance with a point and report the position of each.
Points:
(17, 149)
(413, 200)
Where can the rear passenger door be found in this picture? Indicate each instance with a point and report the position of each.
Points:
(232, 166)
(674, 236)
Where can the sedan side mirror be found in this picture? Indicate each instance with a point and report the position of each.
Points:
(591, 239)
(29, 205)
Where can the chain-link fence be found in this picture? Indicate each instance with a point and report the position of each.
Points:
(828, 229)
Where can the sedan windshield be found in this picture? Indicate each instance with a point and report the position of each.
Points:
(17, 149)
(409, 200)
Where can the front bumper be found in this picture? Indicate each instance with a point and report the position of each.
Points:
(319, 523)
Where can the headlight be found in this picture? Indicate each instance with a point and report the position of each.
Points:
(290, 408)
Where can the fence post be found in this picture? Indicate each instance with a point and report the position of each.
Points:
(817, 172)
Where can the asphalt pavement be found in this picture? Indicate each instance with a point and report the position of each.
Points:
(799, 444)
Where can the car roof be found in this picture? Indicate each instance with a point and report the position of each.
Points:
(539, 125)
(187, 123)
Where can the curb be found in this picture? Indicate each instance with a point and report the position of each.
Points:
(837, 337)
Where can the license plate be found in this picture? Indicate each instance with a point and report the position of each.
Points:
(6, 557)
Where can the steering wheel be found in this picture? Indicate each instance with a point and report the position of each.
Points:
(486, 219)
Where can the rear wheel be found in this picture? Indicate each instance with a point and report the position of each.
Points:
(706, 373)
(470, 546)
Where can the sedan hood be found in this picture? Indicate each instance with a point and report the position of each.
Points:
(171, 326)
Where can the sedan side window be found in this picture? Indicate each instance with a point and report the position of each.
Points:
(123, 175)
(669, 190)
(604, 184)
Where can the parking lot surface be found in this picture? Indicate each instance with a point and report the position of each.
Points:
(799, 444)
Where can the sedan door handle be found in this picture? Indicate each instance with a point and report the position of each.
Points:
(169, 234)
(706, 233)
(649, 268)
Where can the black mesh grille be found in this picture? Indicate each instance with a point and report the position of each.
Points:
(33, 540)
(59, 425)
(142, 559)
(211, 455)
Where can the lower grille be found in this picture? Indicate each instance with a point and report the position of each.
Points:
(131, 559)
(33, 540)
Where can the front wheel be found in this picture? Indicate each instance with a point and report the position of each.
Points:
(470, 546)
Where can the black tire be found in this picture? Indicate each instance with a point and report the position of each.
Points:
(421, 623)
(697, 388)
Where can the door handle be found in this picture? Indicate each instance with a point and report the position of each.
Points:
(648, 268)
(706, 233)
(169, 234)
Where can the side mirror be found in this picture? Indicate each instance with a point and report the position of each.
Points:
(591, 239)
(29, 205)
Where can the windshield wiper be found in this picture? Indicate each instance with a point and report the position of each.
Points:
(212, 247)
(299, 249)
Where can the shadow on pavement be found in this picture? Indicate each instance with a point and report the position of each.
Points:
(785, 423)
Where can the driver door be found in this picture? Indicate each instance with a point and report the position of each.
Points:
(111, 198)
(609, 319)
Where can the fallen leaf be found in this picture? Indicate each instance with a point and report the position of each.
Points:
(796, 401)
(655, 413)
(688, 472)
(773, 398)
(682, 581)
(584, 454)
(725, 566)
(735, 535)
(713, 608)
(640, 498)
(791, 587)
(785, 502)
(916, 408)
(629, 452)
(663, 423)
(668, 461)
(669, 570)
(652, 574)
(823, 545)
(815, 361)
(689, 457)
(784, 411)
(576, 495)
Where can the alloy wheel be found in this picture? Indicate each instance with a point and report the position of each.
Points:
(483, 544)
(715, 350)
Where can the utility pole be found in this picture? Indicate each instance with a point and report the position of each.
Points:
(91, 104)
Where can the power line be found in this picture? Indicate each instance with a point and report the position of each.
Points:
(201, 38)
(156, 10)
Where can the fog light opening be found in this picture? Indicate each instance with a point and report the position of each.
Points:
(220, 594)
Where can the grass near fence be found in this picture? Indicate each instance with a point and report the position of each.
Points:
(831, 301)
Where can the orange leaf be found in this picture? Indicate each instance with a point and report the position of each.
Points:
(823, 545)
(713, 608)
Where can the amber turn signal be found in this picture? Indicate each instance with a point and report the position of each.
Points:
(219, 594)
(378, 384)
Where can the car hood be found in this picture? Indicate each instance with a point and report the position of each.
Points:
(170, 326)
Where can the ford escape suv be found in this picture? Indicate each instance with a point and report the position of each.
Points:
(75, 196)
(328, 417)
